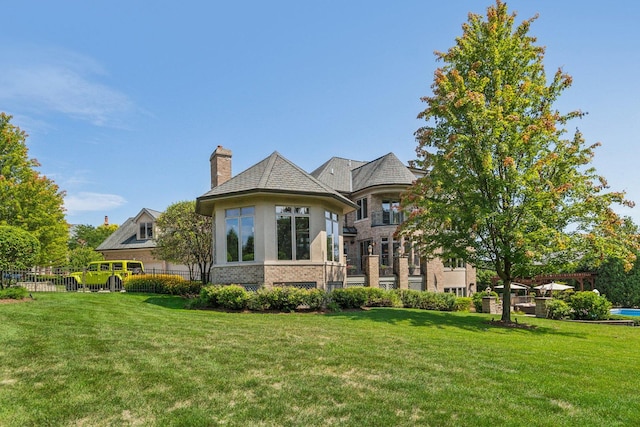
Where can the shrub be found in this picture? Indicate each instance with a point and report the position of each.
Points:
(377, 297)
(233, 297)
(589, 306)
(558, 309)
(208, 296)
(316, 299)
(355, 297)
(161, 284)
(16, 292)
(360, 296)
(410, 298)
(428, 300)
(463, 304)
(285, 298)
(437, 301)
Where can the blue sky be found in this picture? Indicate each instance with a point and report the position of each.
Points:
(124, 101)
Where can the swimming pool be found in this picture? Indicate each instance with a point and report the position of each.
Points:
(626, 311)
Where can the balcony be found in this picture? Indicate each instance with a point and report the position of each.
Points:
(391, 217)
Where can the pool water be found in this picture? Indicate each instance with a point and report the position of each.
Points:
(626, 311)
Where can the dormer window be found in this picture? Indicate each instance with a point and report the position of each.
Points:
(146, 230)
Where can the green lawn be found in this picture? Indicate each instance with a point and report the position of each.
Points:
(125, 359)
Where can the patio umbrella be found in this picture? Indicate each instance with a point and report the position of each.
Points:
(553, 286)
(514, 285)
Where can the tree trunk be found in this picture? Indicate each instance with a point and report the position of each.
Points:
(506, 301)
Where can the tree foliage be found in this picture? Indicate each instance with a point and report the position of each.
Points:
(185, 237)
(86, 235)
(19, 249)
(621, 287)
(505, 185)
(81, 256)
(29, 200)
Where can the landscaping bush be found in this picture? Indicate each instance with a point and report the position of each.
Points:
(208, 297)
(161, 284)
(346, 298)
(589, 306)
(285, 298)
(558, 309)
(15, 292)
(437, 301)
(316, 299)
(463, 304)
(377, 297)
(427, 300)
(232, 297)
(235, 297)
(410, 298)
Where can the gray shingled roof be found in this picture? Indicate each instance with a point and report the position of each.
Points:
(336, 173)
(126, 236)
(274, 174)
(386, 170)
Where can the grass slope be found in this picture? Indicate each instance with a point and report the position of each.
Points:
(124, 359)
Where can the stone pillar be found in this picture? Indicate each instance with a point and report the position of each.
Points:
(490, 305)
(541, 306)
(401, 270)
(372, 269)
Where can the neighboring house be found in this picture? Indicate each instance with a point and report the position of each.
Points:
(135, 240)
(274, 223)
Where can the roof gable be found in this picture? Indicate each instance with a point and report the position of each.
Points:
(126, 235)
(274, 174)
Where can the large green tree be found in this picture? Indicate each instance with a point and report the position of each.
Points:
(29, 200)
(185, 237)
(505, 185)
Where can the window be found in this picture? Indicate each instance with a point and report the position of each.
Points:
(454, 263)
(146, 230)
(386, 258)
(459, 292)
(391, 213)
(333, 236)
(240, 234)
(363, 211)
(292, 229)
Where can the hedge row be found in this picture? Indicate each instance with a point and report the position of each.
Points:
(235, 297)
(161, 284)
(579, 306)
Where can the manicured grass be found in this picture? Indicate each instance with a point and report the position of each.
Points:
(126, 359)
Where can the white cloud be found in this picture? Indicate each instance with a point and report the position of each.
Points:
(89, 202)
(43, 81)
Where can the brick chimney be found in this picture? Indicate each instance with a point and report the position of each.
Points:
(220, 166)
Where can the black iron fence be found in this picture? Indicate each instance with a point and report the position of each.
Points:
(64, 280)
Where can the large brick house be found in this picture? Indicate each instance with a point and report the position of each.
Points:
(276, 224)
